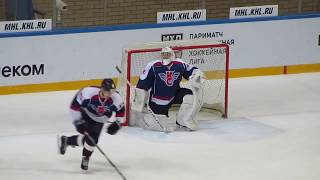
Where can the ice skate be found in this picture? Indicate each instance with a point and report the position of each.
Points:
(62, 144)
(85, 163)
(182, 127)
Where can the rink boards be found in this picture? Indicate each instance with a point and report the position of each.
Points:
(73, 58)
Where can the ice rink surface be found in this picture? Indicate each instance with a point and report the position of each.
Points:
(273, 132)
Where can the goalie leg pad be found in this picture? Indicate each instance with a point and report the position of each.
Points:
(139, 100)
(187, 112)
(158, 122)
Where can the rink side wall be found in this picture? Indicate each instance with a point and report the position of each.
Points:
(73, 58)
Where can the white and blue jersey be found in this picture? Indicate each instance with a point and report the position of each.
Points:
(164, 80)
(88, 101)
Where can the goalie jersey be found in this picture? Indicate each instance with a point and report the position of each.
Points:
(88, 102)
(164, 80)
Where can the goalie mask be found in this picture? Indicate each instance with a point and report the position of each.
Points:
(167, 55)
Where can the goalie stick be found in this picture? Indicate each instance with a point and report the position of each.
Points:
(148, 108)
(105, 156)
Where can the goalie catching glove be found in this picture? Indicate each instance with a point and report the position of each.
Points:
(197, 78)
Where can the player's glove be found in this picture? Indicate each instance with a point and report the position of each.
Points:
(113, 128)
(80, 125)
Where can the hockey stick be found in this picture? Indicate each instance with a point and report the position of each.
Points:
(148, 108)
(107, 158)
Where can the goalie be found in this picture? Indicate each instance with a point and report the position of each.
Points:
(159, 88)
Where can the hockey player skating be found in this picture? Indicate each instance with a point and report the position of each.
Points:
(90, 109)
(159, 88)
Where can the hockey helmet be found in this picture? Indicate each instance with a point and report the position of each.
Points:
(108, 84)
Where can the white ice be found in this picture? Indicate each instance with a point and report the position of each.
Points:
(273, 132)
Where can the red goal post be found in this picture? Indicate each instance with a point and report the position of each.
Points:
(212, 59)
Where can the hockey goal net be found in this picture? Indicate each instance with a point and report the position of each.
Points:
(212, 59)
